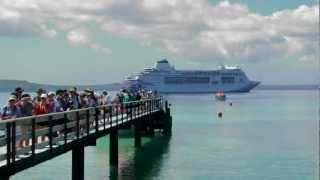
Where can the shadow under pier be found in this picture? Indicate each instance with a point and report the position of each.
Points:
(146, 161)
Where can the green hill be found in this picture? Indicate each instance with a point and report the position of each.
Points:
(10, 85)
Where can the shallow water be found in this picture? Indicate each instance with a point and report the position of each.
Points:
(264, 135)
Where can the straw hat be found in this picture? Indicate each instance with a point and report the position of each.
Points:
(12, 98)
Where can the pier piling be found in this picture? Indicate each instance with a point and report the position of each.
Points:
(137, 134)
(6, 178)
(113, 147)
(78, 163)
(151, 129)
(167, 129)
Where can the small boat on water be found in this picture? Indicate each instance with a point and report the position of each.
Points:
(221, 96)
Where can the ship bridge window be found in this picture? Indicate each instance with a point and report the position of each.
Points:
(227, 80)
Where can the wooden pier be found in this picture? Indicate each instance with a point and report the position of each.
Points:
(74, 130)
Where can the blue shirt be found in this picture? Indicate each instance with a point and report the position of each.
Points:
(8, 111)
(53, 106)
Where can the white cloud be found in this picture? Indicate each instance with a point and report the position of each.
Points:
(50, 33)
(78, 37)
(100, 48)
(309, 60)
(190, 28)
(226, 32)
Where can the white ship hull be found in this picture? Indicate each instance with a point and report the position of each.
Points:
(190, 88)
(165, 79)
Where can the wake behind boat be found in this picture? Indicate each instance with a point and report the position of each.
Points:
(165, 78)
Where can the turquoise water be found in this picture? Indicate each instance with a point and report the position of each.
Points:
(265, 135)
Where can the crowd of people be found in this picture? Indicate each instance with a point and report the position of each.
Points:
(22, 104)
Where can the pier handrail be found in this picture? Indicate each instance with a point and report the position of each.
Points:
(73, 111)
(85, 120)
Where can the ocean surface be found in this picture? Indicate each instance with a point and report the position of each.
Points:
(264, 135)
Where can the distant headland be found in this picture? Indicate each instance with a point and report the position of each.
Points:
(9, 85)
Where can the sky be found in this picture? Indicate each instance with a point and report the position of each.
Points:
(71, 42)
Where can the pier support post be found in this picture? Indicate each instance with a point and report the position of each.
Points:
(5, 178)
(78, 163)
(167, 130)
(167, 120)
(113, 148)
(151, 127)
(113, 173)
(137, 134)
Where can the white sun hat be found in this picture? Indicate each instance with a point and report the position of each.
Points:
(44, 96)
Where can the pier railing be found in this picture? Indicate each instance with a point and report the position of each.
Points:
(23, 139)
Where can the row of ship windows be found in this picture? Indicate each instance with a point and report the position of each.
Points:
(198, 80)
(183, 80)
(215, 73)
(205, 73)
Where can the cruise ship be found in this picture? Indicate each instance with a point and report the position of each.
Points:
(164, 78)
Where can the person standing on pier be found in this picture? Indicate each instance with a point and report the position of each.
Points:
(106, 98)
(60, 100)
(64, 101)
(12, 110)
(53, 103)
(18, 93)
(74, 98)
(41, 108)
(37, 98)
(125, 96)
(26, 106)
(83, 101)
(92, 99)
